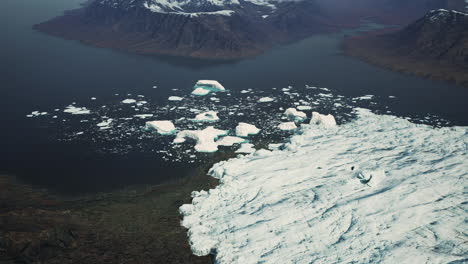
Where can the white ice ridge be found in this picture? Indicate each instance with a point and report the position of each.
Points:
(209, 116)
(294, 115)
(205, 139)
(245, 130)
(304, 205)
(164, 127)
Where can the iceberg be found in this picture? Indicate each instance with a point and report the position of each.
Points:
(205, 139)
(294, 115)
(230, 140)
(204, 87)
(245, 130)
(324, 120)
(164, 127)
(286, 126)
(304, 204)
(209, 116)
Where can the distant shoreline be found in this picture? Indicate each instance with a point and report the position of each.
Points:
(372, 48)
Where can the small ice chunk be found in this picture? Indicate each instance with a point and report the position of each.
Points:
(294, 115)
(230, 140)
(245, 130)
(71, 109)
(246, 148)
(287, 126)
(304, 107)
(209, 116)
(205, 139)
(143, 116)
(265, 100)
(164, 127)
(175, 98)
(105, 124)
(325, 120)
(93, 98)
(129, 101)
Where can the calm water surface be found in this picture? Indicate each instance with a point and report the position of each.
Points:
(43, 72)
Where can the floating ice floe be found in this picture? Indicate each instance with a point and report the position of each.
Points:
(304, 204)
(210, 116)
(143, 116)
(163, 127)
(294, 115)
(205, 139)
(105, 124)
(246, 148)
(71, 109)
(129, 101)
(204, 87)
(304, 107)
(325, 120)
(365, 97)
(230, 140)
(245, 130)
(175, 98)
(265, 100)
(287, 126)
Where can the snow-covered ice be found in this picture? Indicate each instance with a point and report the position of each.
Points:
(246, 148)
(200, 91)
(245, 130)
(294, 115)
(320, 119)
(164, 127)
(71, 109)
(210, 116)
(129, 101)
(304, 205)
(175, 98)
(230, 140)
(287, 126)
(205, 139)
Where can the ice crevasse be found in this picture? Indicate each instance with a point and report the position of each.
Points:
(304, 204)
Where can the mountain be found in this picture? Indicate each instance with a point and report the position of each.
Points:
(435, 46)
(205, 28)
(220, 29)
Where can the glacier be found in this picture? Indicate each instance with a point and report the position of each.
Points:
(304, 203)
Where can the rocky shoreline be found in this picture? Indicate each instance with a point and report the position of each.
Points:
(137, 225)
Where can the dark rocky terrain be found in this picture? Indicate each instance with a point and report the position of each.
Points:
(435, 46)
(221, 29)
(136, 225)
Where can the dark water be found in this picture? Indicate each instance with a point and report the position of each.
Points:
(43, 72)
